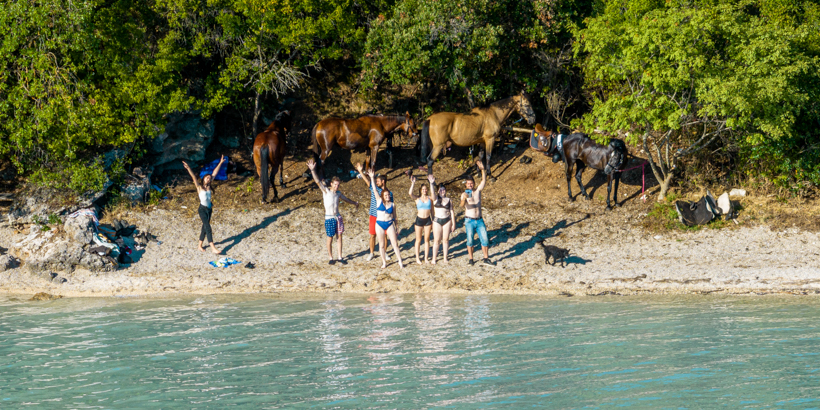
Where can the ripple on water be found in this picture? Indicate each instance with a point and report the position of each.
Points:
(410, 351)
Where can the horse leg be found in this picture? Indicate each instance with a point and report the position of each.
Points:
(489, 152)
(609, 191)
(390, 151)
(568, 172)
(374, 151)
(617, 178)
(579, 169)
(432, 157)
(273, 178)
(282, 173)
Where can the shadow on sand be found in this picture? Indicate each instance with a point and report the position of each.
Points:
(236, 239)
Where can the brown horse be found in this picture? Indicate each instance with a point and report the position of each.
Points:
(269, 153)
(360, 134)
(480, 125)
(579, 151)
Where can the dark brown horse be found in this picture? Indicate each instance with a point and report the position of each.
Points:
(360, 134)
(481, 125)
(579, 150)
(269, 153)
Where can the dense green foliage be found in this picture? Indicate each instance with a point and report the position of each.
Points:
(483, 50)
(739, 77)
(680, 76)
(76, 76)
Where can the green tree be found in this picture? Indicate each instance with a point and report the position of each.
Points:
(481, 49)
(240, 50)
(78, 78)
(677, 78)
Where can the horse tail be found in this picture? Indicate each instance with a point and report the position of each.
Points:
(264, 177)
(426, 143)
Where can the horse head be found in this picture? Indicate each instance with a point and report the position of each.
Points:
(524, 108)
(283, 118)
(409, 126)
(617, 156)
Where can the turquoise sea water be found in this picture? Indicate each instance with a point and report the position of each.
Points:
(410, 351)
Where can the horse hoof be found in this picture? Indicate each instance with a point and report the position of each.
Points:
(492, 179)
(608, 208)
(588, 198)
(571, 199)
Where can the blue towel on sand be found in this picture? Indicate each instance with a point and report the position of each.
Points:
(207, 169)
(224, 262)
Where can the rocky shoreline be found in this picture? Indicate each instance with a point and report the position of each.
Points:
(610, 254)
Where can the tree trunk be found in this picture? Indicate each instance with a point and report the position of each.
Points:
(662, 171)
(256, 116)
(667, 180)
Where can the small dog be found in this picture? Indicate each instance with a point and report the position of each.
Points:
(557, 254)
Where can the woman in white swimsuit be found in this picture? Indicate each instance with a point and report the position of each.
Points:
(205, 205)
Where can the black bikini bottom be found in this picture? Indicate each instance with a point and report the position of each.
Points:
(441, 221)
(423, 221)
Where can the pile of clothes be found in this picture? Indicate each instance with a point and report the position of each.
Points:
(114, 241)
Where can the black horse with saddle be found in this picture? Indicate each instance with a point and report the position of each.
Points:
(579, 151)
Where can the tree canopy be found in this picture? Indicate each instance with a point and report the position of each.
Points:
(79, 78)
(679, 77)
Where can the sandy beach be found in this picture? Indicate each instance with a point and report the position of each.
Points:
(610, 253)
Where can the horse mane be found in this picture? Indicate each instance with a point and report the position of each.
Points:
(499, 103)
(397, 117)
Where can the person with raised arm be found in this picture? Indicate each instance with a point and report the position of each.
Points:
(334, 224)
(444, 221)
(381, 184)
(473, 221)
(206, 208)
(424, 220)
(385, 221)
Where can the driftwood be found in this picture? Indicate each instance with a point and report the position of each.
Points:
(516, 129)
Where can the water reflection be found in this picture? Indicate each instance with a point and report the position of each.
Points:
(410, 351)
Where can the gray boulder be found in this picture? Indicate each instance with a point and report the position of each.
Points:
(8, 262)
(186, 137)
(81, 229)
(230, 141)
(40, 202)
(47, 251)
(138, 184)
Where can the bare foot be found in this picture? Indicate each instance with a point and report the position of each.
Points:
(418, 261)
(201, 249)
(433, 262)
(214, 250)
(384, 266)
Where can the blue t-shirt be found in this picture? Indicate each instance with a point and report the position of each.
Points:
(373, 200)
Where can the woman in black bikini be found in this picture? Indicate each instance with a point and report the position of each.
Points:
(424, 220)
(444, 221)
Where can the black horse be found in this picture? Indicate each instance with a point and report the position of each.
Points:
(579, 150)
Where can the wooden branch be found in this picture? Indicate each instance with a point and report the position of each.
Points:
(516, 129)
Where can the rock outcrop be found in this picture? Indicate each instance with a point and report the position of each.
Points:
(47, 251)
(186, 137)
(138, 184)
(8, 262)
